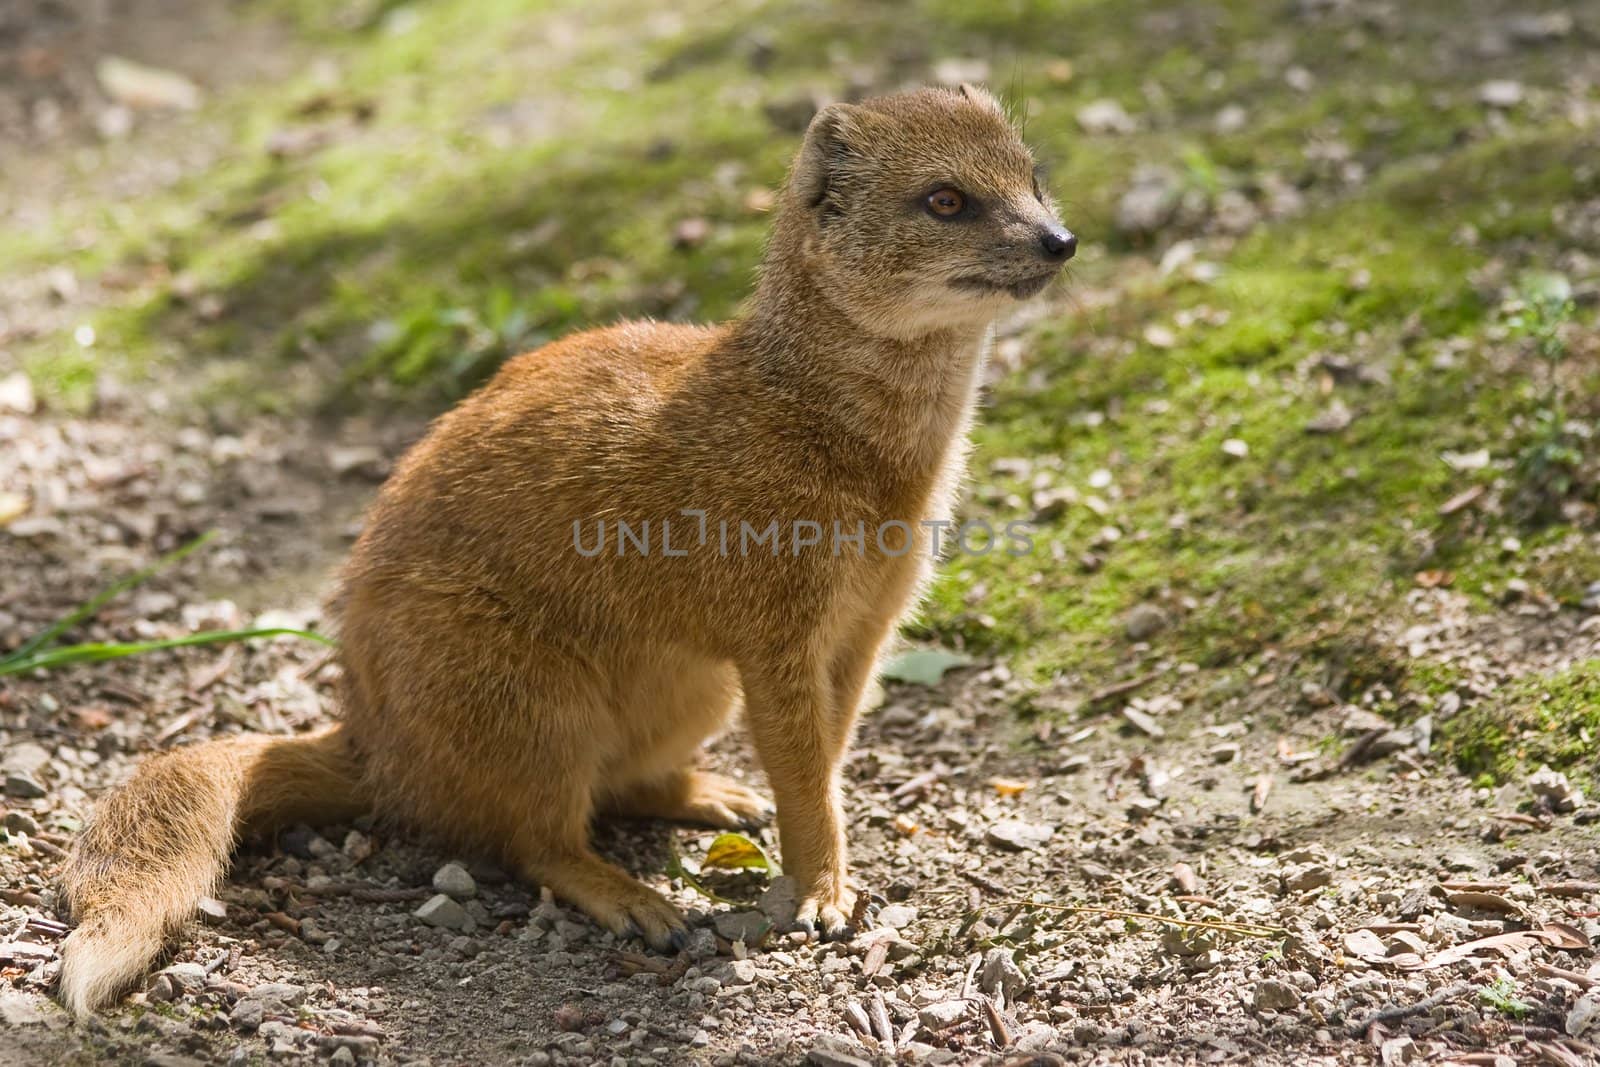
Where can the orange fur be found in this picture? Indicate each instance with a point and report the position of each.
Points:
(501, 687)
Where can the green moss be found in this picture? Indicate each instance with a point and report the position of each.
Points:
(1552, 720)
(506, 171)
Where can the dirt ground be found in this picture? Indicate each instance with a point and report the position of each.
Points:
(1392, 913)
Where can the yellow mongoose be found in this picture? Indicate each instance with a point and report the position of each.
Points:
(567, 585)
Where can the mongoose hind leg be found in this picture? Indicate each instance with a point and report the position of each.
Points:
(492, 739)
(703, 798)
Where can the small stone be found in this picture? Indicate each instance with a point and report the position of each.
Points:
(1053, 502)
(702, 944)
(1226, 752)
(746, 926)
(1273, 995)
(1105, 116)
(1150, 202)
(1001, 974)
(278, 993)
(1013, 835)
(16, 394)
(1144, 621)
(1584, 1016)
(737, 973)
(453, 879)
(364, 461)
(1397, 1051)
(20, 822)
(778, 903)
(828, 1054)
(343, 1056)
(1235, 448)
(17, 1009)
(943, 1015)
(897, 916)
(1555, 790)
(1302, 877)
(22, 766)
(213, 912)
(691, 232)
(247, 1015)
(443, 911)
(1501, 93)
(1539, 28)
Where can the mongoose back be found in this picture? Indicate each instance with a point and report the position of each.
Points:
(581, 571)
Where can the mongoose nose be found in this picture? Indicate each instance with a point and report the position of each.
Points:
(1059, 244)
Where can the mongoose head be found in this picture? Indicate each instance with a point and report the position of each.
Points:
(923, 211)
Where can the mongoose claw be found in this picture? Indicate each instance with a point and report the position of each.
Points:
(826, 922)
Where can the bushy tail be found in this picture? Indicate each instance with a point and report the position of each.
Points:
(158, 844)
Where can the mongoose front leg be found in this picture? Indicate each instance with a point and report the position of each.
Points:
(794, 722)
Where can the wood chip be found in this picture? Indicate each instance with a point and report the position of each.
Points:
(1143, 723)
(878, 1012)
(876, 957)
(1258, 795)
(1464, 499)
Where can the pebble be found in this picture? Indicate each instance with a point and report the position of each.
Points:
(779, 901)
(702, 944)
(247, 1015)
(1301, 877)
(19, 1010)
(828, 1054)
(443, 911)
(1273, 995)
(1013, 835)
(737, 973)
(452, 879)
(1144, 621)
(897, 916)
(1001, 974)
(278, 993)
(1501, 93)
(1149, 203)
(944, 1014)
(1106, 116)
(1584, 1016)
(20, 822)
(746, 926)
(1554, 789)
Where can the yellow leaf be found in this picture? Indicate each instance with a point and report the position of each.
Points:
(1008, 787)
(735, 852)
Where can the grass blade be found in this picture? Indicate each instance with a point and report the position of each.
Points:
(104, 597)
(67, 655)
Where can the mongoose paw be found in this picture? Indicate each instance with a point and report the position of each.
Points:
(827, 918)
(725, 804)
(629, 909)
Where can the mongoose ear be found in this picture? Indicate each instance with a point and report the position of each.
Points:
(983, 98)
(825, 148)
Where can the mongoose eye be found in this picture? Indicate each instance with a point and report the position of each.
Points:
(946, 203)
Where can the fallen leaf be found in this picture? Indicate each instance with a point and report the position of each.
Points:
(923, 666)
(736, 852)
(1556, 935)
(1434, 579)
(1009, 787)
